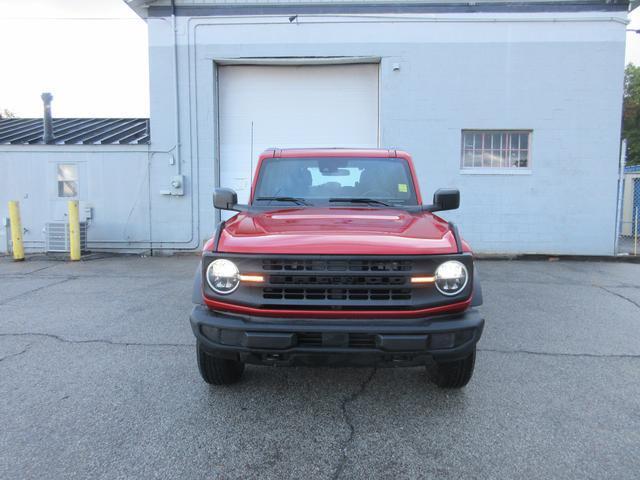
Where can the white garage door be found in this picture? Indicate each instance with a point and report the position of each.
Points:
(292, 106)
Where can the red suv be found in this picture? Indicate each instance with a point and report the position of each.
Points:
(336, 261)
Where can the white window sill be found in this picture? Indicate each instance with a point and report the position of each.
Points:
(495, 171)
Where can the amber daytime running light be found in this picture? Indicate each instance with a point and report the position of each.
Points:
(251, 278)
(424, 279)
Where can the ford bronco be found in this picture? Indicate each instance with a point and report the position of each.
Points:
(336, 261)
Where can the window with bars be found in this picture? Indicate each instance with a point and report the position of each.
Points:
(506, 149)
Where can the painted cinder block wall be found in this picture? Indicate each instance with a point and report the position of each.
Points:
(559, 74)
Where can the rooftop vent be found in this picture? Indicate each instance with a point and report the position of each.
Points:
(47, 123)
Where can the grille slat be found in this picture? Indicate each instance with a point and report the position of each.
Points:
(271, 293)
(336, 265)
(346, 280)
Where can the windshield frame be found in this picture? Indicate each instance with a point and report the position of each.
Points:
(413, 202)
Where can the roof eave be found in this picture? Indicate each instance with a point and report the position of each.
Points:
(141, 7)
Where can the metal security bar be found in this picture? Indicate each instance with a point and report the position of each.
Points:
(496, 149)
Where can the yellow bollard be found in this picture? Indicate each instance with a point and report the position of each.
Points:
(74, 230)
(16, 230)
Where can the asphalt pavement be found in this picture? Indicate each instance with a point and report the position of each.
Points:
(98, 379)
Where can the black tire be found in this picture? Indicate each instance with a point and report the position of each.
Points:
(453, 374)
(218, 371)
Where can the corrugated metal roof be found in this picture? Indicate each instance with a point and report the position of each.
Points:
(76, 131)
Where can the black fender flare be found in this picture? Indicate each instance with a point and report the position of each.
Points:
(476, 296)
(196, 294)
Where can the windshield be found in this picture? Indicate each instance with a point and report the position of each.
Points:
(313, 181)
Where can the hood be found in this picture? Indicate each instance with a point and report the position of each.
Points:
(337, 230)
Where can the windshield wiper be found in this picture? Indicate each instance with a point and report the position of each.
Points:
(297, 201)
(369, 201)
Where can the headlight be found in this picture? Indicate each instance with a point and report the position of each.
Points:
(451, 277)
(223, 276)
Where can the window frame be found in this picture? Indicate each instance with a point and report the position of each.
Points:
(482, 170)
(411, 201)
(75, 180)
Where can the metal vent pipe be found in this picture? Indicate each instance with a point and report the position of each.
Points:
(47, 122)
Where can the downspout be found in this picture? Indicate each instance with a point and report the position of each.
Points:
(176, 97)
(173, 150)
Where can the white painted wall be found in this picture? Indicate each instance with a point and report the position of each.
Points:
(558, 74)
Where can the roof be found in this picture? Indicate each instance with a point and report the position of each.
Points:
(165, 8)
(76, 131)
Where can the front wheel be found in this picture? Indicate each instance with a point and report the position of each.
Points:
(454, 374)
(218, 371)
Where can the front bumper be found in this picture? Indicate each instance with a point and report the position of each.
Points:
(364, 342)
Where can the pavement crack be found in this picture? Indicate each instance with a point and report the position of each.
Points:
(619, 295)
(97, 340)
(557, 354)
(11, 355)
(40, 269)
(23, 294)
(347, 419)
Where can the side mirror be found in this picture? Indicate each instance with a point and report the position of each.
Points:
(444, 199)
(225, 199)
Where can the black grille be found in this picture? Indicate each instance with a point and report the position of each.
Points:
(364, 294)
(356, 340)
(336, 265)
(337, 280)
